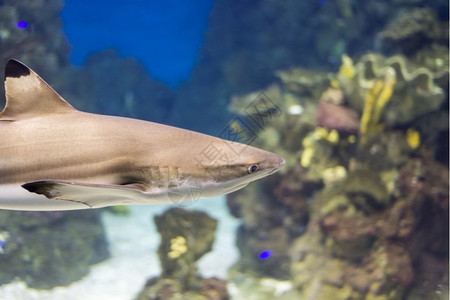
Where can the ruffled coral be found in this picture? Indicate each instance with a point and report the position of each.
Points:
(416, 91)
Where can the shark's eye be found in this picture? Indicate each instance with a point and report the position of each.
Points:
(252, 169)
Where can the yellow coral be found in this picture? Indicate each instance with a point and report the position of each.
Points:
(334, 174)
(307, 142)
(333, 136)
(368, 110)
(376, 99)
(390, 178)
(351, 139)
(307, 155)
(422, 88)
(347, 69)
(320, 133)
(177, 247)
(334, 83)
(413, 138)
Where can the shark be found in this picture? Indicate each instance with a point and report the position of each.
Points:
(55, 157)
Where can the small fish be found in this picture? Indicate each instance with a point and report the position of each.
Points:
(54, 157)
(4, 236)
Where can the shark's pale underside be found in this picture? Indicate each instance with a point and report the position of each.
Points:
(54, 157)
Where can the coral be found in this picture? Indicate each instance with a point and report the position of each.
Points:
(170, 288)
(247, 43)
(275, 241)
(349, 140)
(393, 90)
(347, 69)
(177, 247)
(262, 232)
(413, 138)
(372, 256)
(376, 99)
(350, 237)
(366, 199)
(303, 81)
(334, 174)
(316, 276)
(434, 59)
(425, 179)
(434, 276)
(61, 245)
(260, 288)
(333, 95)
(317, 152)
(356, 266)
(373, 213)
(385, 152)
(239, 104)
(319, 148)
(366, 190)
(190, 235)
(185, 237)
(337, 117)
(293, 105)
(272, 217)
(414, 29)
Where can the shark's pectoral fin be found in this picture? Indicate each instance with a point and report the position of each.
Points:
(91, 195)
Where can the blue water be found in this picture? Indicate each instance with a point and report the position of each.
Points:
(164, 36)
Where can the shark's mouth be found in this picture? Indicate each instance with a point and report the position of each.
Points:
(235, 188)
(214, 191)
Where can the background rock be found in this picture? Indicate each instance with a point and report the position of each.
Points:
(48, 249)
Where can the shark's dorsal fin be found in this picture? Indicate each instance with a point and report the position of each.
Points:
(28, 95)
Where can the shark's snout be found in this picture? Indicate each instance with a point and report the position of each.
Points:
(277, 164)
(280, 162)
(274, 162)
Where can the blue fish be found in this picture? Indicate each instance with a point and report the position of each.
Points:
(3, 238)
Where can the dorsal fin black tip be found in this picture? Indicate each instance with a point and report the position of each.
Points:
(16, 69)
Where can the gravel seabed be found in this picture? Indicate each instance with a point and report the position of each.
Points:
(133, 245)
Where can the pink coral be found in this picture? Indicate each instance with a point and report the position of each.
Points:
(337, 117)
